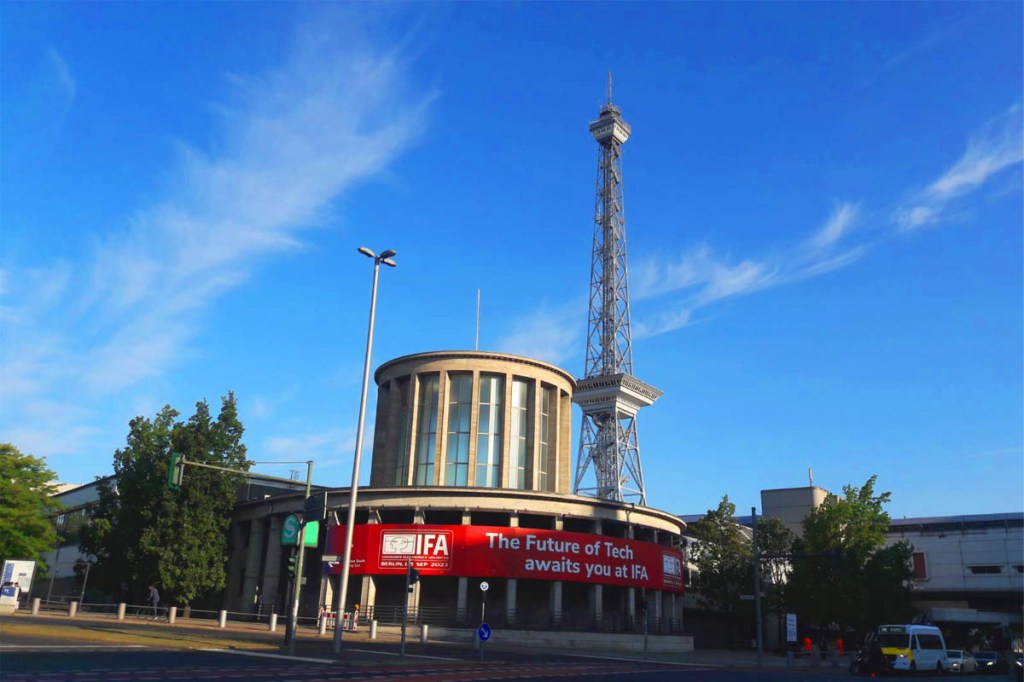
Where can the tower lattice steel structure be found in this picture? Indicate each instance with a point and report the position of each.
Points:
(609, 394)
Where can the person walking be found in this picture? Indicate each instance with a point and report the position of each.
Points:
(154, 600)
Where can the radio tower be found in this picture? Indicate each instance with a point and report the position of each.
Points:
(609, 394)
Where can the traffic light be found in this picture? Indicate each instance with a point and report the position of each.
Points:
(175, 471)
(292, 558)
(413, 576)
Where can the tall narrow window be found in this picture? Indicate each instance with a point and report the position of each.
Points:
(519, 436)
(920, 567)
(404, 426)
(426, 430)
(488, 442)
(545, 473)
(460, 406)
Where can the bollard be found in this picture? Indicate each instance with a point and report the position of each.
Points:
(273, 622)
(72, 609)
(120, 610)
(322, 628)
(373, 629)
(35, 606)
(222, 619)
(172, 615)
(423, 633)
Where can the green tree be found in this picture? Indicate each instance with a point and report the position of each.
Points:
(141, 532)
(842, 571)
(724, 561)
(26, 507)
(775, 543)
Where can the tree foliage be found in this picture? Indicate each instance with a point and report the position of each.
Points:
(723, 558)
(142, 532)
(26, 507)
(775, 542)
(842, 571)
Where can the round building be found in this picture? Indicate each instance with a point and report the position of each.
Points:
(470, 486)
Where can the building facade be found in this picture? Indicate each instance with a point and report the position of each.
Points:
(470, 484)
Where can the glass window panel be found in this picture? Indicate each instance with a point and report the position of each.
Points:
(459, 406)
(426, 431)
(545, 473)
(488, 444)
(519, 438)
(404, 424)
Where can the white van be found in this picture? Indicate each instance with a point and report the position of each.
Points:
(913, 648)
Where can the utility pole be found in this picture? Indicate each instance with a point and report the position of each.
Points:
(293, 621)
(175, 476)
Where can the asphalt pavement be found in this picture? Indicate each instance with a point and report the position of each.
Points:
(49, 646)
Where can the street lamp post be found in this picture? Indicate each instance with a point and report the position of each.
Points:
(346, 557)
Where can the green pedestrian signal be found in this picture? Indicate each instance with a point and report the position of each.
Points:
(175, 471)
(311, 534)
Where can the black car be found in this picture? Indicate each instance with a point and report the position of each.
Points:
(989, 661)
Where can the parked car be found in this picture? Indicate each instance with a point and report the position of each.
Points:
(989, 662)
(961, 661)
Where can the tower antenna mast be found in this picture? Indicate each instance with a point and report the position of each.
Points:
(609, 394)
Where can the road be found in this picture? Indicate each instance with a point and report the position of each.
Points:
(128, 665)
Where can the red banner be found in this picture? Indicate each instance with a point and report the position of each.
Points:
(503, 552)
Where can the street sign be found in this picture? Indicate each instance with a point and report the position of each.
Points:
(484, 631)
(315, 507)
(790, 627)
(290, 531)
(484, 586)
(330, 558)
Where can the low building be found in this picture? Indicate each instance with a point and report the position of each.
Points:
(968, 570)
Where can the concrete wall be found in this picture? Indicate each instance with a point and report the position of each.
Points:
(582, 642)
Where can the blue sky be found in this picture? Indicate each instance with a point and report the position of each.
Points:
(823, 206)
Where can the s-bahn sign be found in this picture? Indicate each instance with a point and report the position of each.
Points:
(504, 552)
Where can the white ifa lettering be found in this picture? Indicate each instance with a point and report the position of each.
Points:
(433, 544)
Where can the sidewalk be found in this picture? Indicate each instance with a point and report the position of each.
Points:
(358, 650)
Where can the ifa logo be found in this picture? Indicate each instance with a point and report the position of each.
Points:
(424, 549)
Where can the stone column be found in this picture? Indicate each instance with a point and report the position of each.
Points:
(630, 591)
(367, 595)
(654, 607)
(252, 565)
(510, 601)
(272, 567)
(461, 614)
(555, 602)
(595, 598)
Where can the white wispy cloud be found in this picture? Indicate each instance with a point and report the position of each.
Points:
(997, 146)
(700, 276)
(548, 333)
(837, 226)
(286, 144)
(306, 445)
(62, 74)
(666, 291)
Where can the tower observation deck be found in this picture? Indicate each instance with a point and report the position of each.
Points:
(609, 394)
